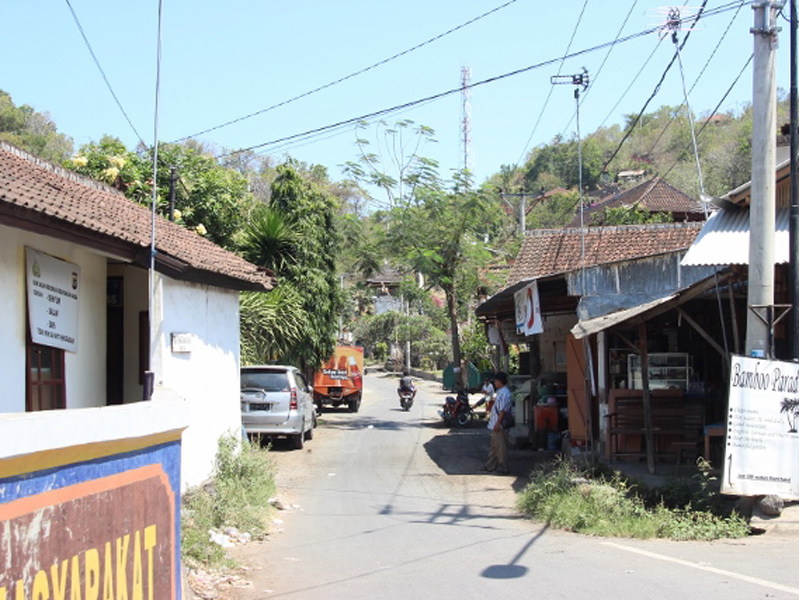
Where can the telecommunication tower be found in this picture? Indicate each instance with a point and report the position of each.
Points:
(466, 110)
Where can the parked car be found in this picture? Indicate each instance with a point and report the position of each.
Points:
(277, 401)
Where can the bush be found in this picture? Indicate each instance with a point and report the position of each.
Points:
(591, 502)
(237, 496)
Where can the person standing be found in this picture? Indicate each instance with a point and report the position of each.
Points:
(498, 455)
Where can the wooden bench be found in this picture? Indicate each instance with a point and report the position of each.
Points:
(677, 426)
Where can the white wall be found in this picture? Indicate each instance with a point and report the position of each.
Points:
(85, 369)
(553, 341)
(208, 376)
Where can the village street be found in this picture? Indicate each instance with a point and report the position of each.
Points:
(388, 504)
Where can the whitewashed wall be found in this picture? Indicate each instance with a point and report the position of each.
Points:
(85, 369)
(208, 376)
(553, 342)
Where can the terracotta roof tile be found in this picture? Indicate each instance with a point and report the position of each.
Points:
(654, 195)
(548, 252)
(32, 189)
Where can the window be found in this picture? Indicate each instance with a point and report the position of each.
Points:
(45, 370)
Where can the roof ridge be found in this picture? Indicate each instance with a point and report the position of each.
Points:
(57, 169)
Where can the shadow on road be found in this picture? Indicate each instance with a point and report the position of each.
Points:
(513, 570)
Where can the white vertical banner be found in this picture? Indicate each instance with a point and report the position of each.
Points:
(533, 323)
(762, 444)
(519, 305)
(53, 299)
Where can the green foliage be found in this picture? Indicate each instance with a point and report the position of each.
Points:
(632, 215)
(308, 263)
(580, 500)
(210, 199)
(271, 324)
(475, 346)
(32, 131)
(553, 212)
(237, 496)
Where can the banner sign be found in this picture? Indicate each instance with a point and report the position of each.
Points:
(53, 299)
(762, 444)
(528, 310)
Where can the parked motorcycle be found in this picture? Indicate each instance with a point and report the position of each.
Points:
(406, 399)
(456, 411)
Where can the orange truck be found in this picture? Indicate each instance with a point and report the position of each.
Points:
(340, 380)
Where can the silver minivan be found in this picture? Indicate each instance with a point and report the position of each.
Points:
(277, 401)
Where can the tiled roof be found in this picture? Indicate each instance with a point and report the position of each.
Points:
(548, 252)
(38, 195)
(654, 195)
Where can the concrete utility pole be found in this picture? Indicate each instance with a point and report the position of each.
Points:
(763, 198)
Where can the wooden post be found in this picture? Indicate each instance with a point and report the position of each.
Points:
(648, 434)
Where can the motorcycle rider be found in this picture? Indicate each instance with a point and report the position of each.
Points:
(406, 385)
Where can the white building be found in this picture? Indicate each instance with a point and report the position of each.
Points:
(75, 312)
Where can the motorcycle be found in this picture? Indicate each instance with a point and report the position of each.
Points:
(406, 399)
(456, 411)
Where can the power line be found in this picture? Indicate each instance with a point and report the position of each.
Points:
(350, 76)
(102, 72)
(654, 92)
(366, 117)
(698, 77)
(552, 87)
(601, 66)
(715, 110)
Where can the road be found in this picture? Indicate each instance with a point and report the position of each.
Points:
(389, 504)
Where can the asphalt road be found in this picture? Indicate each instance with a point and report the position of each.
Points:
(390, 504)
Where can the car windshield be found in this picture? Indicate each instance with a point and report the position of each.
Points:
(270, 381)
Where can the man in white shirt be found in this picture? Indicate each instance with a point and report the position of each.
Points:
(498, 456)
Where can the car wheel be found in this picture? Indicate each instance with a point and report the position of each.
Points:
(309, 433)
(298, 440)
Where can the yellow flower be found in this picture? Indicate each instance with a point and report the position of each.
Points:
(178, 215)
(116, 161)
(201, 229)
(111, 174)
(80, 161)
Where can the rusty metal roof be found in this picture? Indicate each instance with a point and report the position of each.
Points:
(550, 252)
(40, 196)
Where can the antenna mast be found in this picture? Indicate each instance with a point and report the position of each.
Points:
(466, 113)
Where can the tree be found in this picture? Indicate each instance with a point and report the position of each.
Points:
(310, 213)
(32, 131)
(211, 199)
(437, 238)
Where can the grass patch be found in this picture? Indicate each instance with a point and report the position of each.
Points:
(596, 501)
(237, 496)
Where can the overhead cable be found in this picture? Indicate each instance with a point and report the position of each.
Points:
(552, 87)
(405, 105)
(698, 77)
(350, 76)
(102, 72)
(655, 91)
(601, 66)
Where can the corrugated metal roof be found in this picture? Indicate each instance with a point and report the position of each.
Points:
(724, 240)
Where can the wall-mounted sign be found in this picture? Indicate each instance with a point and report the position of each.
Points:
(53, 300)
(762, 448)
(181, 343)
(528, 310)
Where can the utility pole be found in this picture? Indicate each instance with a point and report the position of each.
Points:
(580, 81)
(763, 198)
(522, 209)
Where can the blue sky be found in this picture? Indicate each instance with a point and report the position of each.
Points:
(225, 60)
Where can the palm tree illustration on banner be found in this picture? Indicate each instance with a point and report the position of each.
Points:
(790, 406)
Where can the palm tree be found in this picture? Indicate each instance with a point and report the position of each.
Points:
(790, 406)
